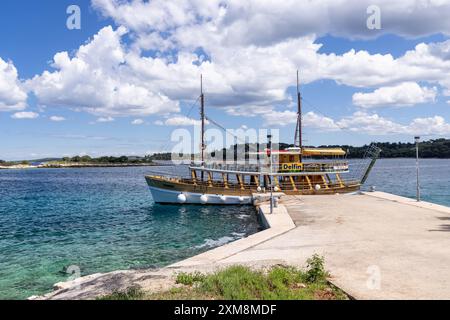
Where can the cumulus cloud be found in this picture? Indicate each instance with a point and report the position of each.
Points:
(248, 52)
(404, 94)
(57, 118)
(12, 96)
(280, 118)
(374, 124)
(253, 47)
(267, 22)
(309, 119)
(429, 126)
(105, 119)
(362, 122)
(369, 123)
(179, 121)
(97, 80)
(137, 122)
(314, 120)
(25, 115)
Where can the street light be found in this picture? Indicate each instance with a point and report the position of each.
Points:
(269, 153)
(417, 140)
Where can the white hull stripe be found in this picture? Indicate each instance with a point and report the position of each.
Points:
(170, 196)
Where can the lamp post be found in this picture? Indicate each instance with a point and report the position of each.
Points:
(269, 153)
(417, 140)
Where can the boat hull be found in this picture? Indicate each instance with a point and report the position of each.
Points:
(176, 197)
(175, 191)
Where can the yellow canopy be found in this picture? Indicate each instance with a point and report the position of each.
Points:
(323, 152)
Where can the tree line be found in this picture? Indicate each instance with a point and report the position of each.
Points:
(438, 148)
(108, 160)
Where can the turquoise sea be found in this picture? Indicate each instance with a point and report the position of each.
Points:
(104, 219)
(98, 220)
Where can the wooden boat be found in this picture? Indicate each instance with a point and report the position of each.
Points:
(294, 171)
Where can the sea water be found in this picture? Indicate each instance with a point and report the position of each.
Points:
(98, 220)
(398, 176)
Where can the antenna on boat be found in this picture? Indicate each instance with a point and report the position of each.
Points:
(298, 129)
(202, 115)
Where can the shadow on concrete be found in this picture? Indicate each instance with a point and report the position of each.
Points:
(442, 227)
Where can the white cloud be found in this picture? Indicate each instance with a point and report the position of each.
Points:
(154, 15)
(427, 126)
(262, 22)
(280, 118)
(250, 51)
(373, 124)
(138, 122)
(105, 119)
(98, 80)
(25, 115)
(404, 94)
(179, 121)
(314, 120)
(12, 96)
(182, 121)
(57, 118)
(309, 119)
(362, 122)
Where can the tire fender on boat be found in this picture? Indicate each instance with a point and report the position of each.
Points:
(181, 198)
(204, 199)
(223, 198)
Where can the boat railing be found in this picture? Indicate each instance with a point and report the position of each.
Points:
(313, 167)
(283, 185)
(228, 167)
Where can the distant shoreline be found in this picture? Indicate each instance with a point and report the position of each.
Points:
(81, 165)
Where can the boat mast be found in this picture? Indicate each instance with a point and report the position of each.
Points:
(202, 115)
(298, 130)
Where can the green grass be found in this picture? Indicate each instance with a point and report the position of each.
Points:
(242, 283)
(189, 279)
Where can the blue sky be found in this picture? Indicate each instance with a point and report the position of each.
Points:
(145, 61)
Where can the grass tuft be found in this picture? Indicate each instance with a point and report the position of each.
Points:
(188, 279)
(315, 270)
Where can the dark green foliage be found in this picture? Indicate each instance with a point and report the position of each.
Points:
(439, 148)
(108, 160)
(315, 271)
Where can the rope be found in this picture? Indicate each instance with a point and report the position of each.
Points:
(231, 134)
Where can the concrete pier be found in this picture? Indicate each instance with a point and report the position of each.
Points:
(376, 246)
